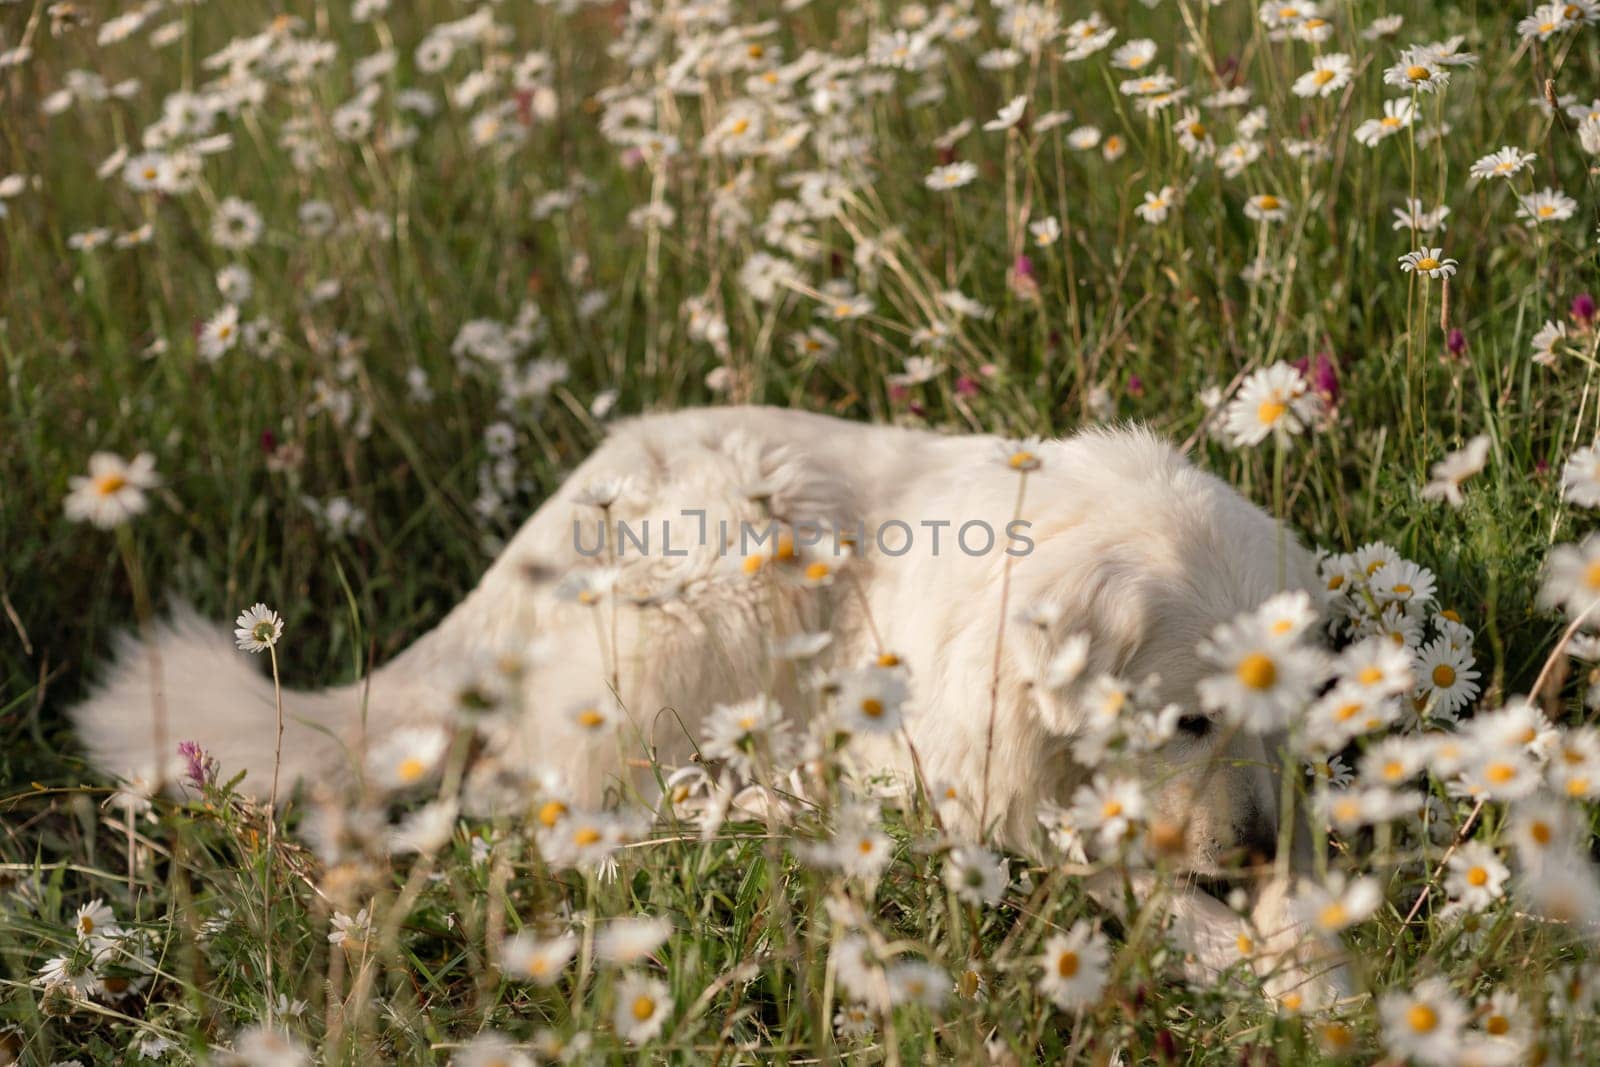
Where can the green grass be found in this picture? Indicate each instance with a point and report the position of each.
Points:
(1122, 319)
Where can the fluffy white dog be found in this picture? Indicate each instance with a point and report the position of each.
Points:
(1120, 539)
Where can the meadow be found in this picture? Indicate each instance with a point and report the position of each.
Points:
(311, 309)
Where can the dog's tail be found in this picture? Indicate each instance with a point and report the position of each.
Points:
(189, 683)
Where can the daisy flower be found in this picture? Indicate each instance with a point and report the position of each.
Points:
(592, 720)
(1109, 808)
(1156, 205)
(1415, 217)
(1377, 666)
(1547, 205)
(1546, 340)
(641, 1009)
(629, 940)
(1507, 163)
(96, 919)
(1476, 876)
(745, 733)
(1008, 117)
(951, 176)
(1084, 138)
(1397, 115)
(1575, 770)
(235, 283)
(918, 982)
(1447, 676)
(1134, 55)
(406, 757)
(1428, 261)
(1340, 904)
(236, 224)
(1418, 69)
(1194, 136)
(1263, 679)
(1393, 761)
(1572, 576)
(491, 1049)
(582, 840)
(1546, 21)
(845, 306)
(1266, 208)
(219, 334)
(1424, 1023)
(1275, 400)
(1455, 468)
(1580, 477)
(1066, 664)
(1328, 74)
(425, 830)
(257, 629)
(976, 875)
(1564, 890)
(1046, 231)
(871, 701)
(1074, 965)
(858, 848)
(113, 491)
(1500, 775)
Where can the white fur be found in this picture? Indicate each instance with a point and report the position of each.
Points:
(1140, 548)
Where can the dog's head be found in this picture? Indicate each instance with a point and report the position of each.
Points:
(1147, 555)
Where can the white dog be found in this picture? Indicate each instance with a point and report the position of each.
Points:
(1121, 537)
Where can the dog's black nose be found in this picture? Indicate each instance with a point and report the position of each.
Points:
(1258, 843)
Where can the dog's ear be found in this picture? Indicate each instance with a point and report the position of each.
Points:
(1085, 612)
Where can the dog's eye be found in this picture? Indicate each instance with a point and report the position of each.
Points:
(1195, 725)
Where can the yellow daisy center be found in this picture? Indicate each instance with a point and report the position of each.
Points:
(410, 769)
(1500, 773)
(1444, 676)
(1271, 411)
(872, 708)
(1067, 964)
(107, 484)
(550, 812)
(1498, 1025)
(1333, 916)
(1427, 263)
(1268, 202)
(1257, 671)
(588, 835)
(1323, 76)
(1418, 73)
(589, 718)
(1422, 1018)
(1477, 876)
(643, 1007)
